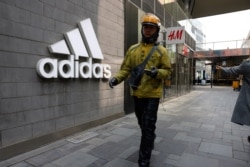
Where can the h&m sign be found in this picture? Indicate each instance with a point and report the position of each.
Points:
(175, 35)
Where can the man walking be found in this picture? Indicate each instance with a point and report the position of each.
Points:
(148, 93)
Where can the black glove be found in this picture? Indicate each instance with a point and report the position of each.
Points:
(152, 73)
(112, 82)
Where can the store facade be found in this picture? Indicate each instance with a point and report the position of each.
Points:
(56, 59)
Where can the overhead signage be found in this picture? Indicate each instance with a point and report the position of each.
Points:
(175, 35)
(81, 46)
(222, 53)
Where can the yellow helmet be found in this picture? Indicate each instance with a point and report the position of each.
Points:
(150, 19)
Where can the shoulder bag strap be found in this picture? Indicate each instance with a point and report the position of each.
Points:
(148, 56)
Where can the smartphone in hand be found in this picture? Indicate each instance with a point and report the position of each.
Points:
(147, 71)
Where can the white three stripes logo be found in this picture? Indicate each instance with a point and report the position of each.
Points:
(82, 42)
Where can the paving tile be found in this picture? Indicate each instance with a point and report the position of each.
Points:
(108, 151)
(82, 137)
(124, 131)
(207, 127)
(70, 147)
(190, 160)
(171, 162)
(128, 152)
(232, 163)
(183, 137)
(241, 155)
(21, 164)
(158, 139)
(164, 118)
(174, 157)
(238, 146)
(165, 134)
(96, 141)
(154, 152)
(230, 137)
(120, 163)
(171, 147)
(115, 138)
(216, 149)
(45, 157)
(191, 124)
(99, 162)
(201, 134)
(33, 153)
(158, 158)
(88, 148)
(218, 135)
(179, 127)
(76, 159)
(228, 125)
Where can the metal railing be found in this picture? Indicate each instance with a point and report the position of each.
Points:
(220, 45)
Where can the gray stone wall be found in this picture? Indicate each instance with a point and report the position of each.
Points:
(31, 106)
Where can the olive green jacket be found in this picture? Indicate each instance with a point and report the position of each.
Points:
(149, 87)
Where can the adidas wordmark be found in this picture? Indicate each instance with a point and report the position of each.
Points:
(80, 42)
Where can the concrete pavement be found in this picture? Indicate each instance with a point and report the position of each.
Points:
(193, 130)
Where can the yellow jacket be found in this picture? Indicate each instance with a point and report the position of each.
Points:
(149, 87)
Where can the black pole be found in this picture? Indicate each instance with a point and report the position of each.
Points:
(211, 82)
(213, 70)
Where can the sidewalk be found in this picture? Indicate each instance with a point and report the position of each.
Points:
(193, 130)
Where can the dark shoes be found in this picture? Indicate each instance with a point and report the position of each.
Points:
(143, 164)
(248, 139)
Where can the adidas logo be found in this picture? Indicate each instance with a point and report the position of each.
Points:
(80, 42)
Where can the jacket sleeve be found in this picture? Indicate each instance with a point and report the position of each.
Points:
(125, 69)
(235, 70)
(165, 66)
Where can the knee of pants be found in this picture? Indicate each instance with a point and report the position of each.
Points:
(148, 128)
(149, 121)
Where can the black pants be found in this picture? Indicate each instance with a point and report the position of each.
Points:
(146, 113)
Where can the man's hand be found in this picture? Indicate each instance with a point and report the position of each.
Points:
(218, 67)
(113, 82)
(152, 73)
